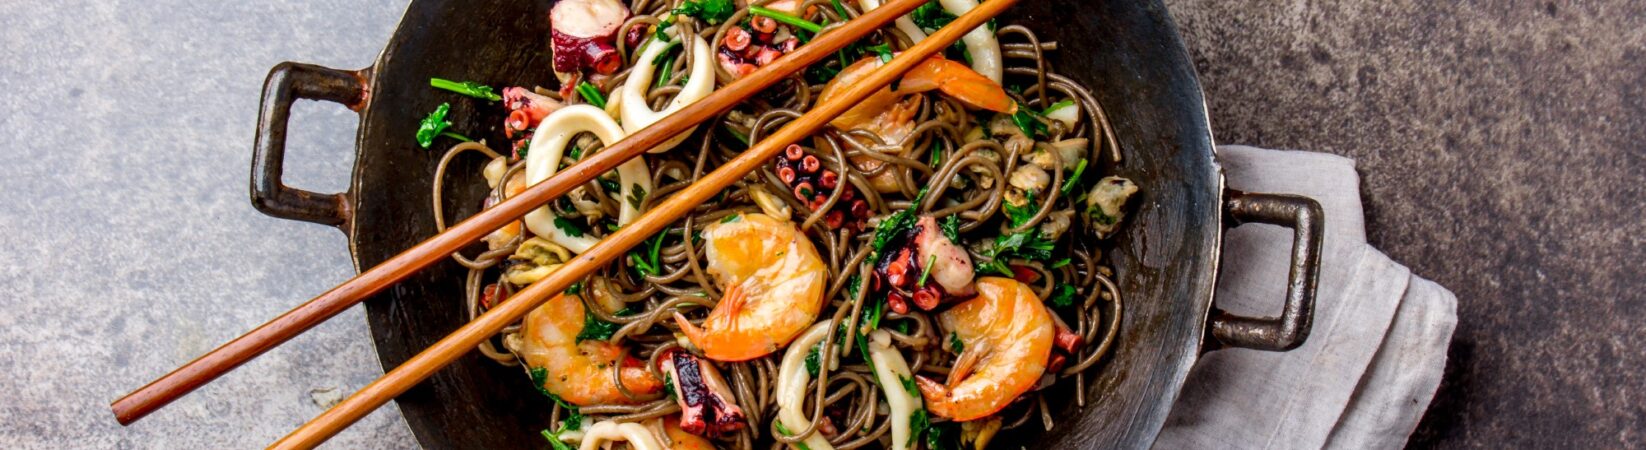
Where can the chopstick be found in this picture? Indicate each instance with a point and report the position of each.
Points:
(221, 360)
(464, 340)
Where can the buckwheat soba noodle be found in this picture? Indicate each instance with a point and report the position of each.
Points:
(917, 275)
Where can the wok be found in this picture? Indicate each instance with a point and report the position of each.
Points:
(1128, 51)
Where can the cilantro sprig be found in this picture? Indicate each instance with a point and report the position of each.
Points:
(468, 88)
(435, 125)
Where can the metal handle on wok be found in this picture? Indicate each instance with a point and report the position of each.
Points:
(1288, 331)
(287, 83)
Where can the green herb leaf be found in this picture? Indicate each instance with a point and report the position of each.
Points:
(813, 361)
(871, 316)
(433, 125)
(931, 16)
(575, 153)
(992, 267)
(1056, 106)
(596, 329)
(1016, 215)
(591, 94)
(731, 218)
(1060, 263)
(1029, 121)
(711, 11)
(1074, 177)
(918, 423)
(1063, 297)
(637, 196)
(736, 135)
(885, 52)
(572, 422)
(456, 136)
(554, 440)
(909, 386)
(568, 227)
(575, 288)
(785, 18)
(951, 228)
(1099, 216)
(894, 225)
(955, 344)
(468, 88)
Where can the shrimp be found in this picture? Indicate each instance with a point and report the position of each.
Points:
(578, 372)
(890, 113)
(773, 283)
(1007, 337)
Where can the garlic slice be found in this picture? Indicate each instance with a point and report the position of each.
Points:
(637, 112)
(543, 161)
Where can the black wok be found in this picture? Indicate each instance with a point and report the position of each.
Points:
(1126, 50)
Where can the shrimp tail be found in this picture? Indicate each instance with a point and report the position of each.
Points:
(936, 395)
(692, 332)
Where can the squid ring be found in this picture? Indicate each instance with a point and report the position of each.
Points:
(638, 114)
(543, 161)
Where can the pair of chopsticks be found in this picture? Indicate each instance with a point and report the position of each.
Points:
(225, 358)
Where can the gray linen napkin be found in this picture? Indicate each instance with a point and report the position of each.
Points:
(1374, 357)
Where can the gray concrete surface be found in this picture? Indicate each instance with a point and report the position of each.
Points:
(1499, 143)
(128, 245)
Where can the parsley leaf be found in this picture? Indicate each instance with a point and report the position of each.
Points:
(1063, 297)
(894, 225)
(637, 196)
(598, 330)
(468, 88)
(918, 423)
(711, 11)
(956, 344)
(572, 422)
(909, 386)
(992, 267)
(931, 16)
(731, 218)
(951, 228)
(433, 125)
(1018, 215)
(1029, 121)
(942, 437)
(576, 288)
(1060, 263)
(568, 227)
(813, 361)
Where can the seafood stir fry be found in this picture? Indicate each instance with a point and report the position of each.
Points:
(927, 272)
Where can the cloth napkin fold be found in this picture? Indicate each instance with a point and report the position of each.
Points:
(1374, 357)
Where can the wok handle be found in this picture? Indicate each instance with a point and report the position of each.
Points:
(1304, 216)
(286, 83)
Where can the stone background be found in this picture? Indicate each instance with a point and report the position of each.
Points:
(1498, 142)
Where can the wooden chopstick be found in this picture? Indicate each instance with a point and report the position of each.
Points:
(464, 340)
(208, 367)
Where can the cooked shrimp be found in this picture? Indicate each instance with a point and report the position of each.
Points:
(578, 372)
(1007, 335)
(890, 114)
(773, 283)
